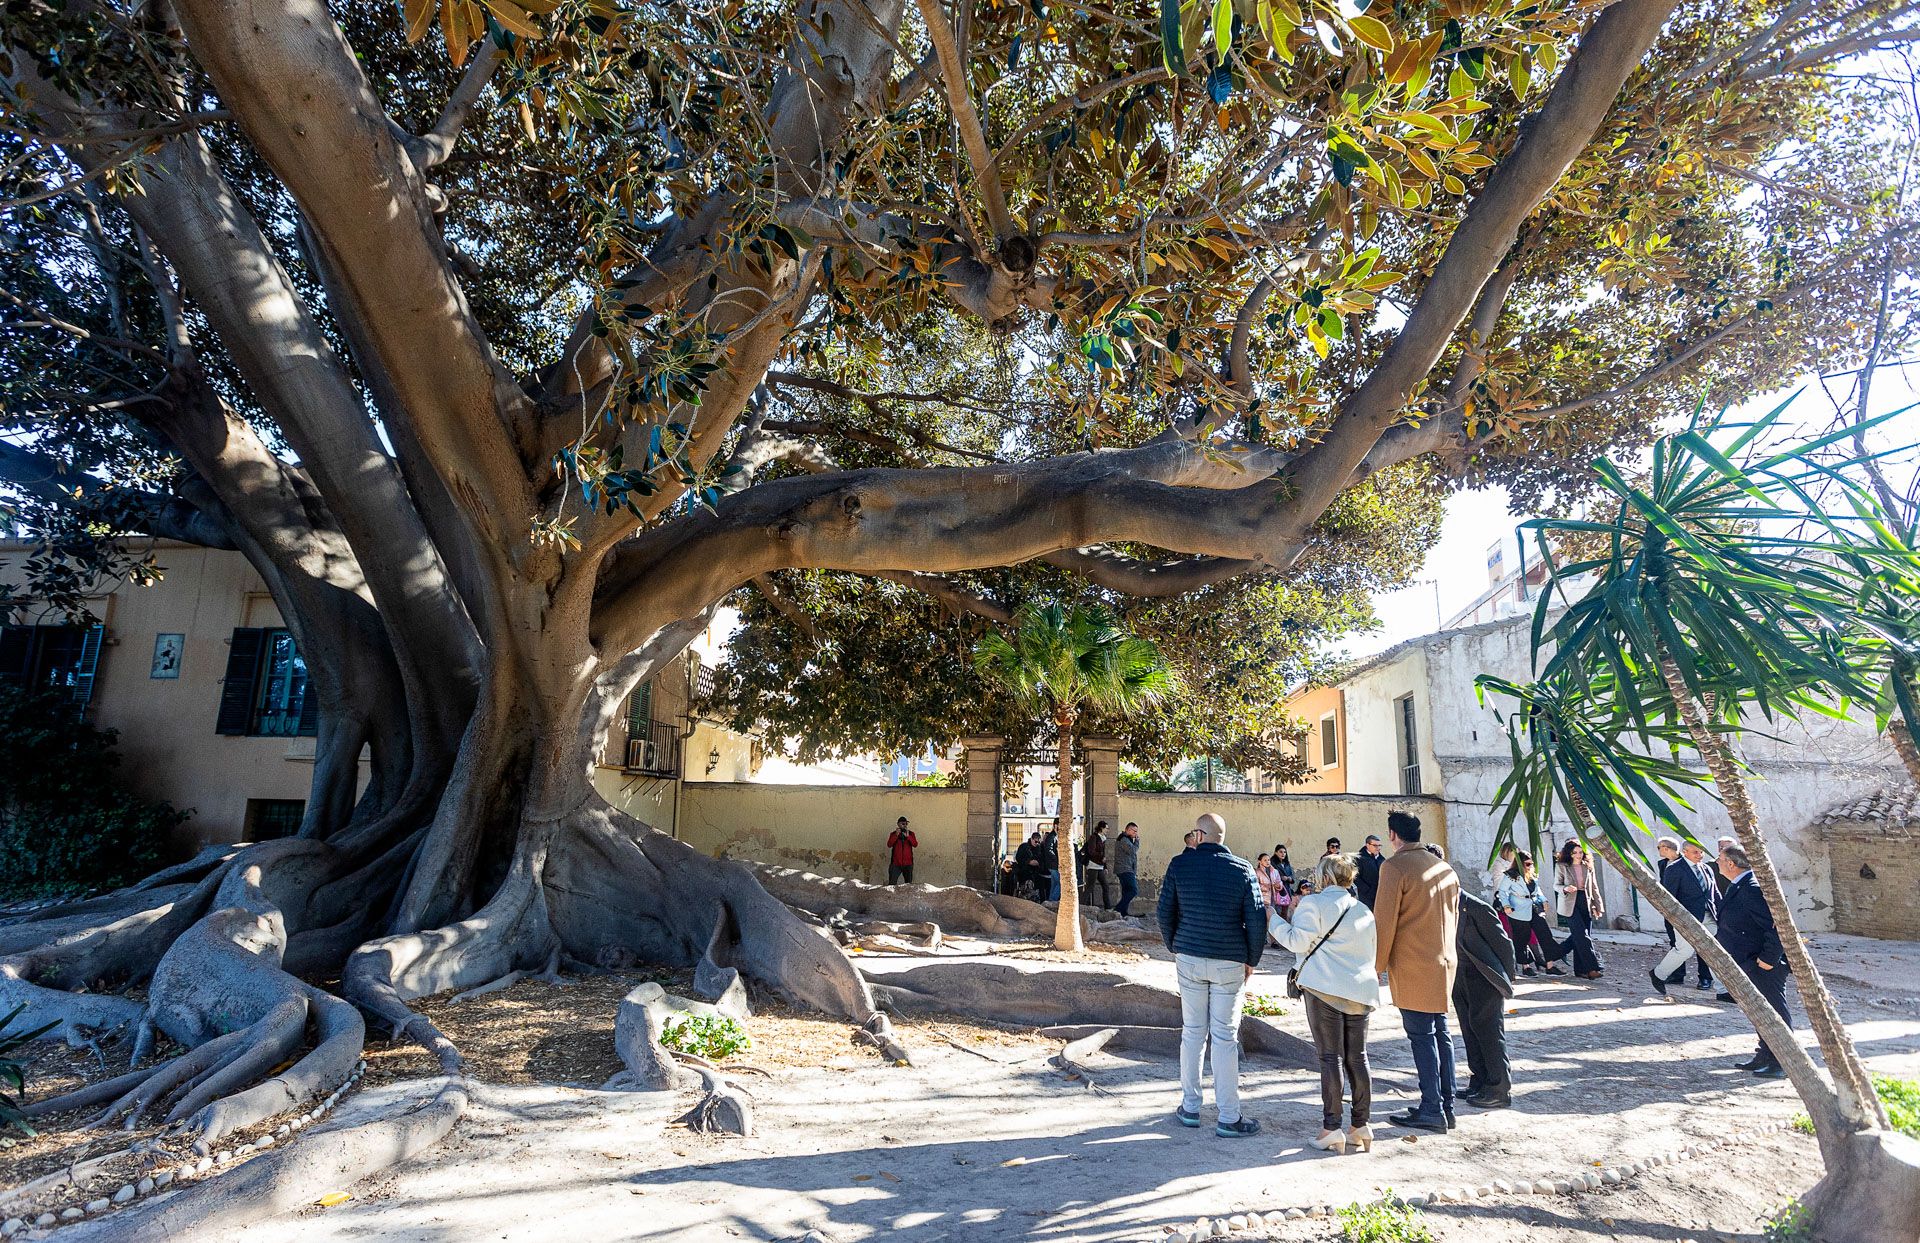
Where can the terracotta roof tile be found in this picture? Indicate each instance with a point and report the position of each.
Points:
(1889, 805)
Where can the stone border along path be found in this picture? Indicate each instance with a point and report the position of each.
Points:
(1579, 1181)
(206, 1166)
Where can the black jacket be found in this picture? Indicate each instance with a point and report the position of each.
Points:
(1746, 928)
(1366, 886)
(1031, 858)
(1688, 887)
(1484, 944)
(1210, 906)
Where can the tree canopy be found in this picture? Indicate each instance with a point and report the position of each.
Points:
(507, 357)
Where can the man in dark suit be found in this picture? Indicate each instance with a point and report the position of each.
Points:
(1686, 877)
(1481, 989)
(1747, 933)
(1366, 882)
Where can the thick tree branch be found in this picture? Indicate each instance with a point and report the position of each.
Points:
(1174, 576)
(149, 513)
(289, 75)
(953, 72)
(430, 150)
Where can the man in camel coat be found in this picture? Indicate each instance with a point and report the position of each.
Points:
(1417, 916)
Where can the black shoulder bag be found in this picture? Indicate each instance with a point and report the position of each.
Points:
(1293, 976)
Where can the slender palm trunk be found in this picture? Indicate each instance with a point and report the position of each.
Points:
(1066, 930)
(1900, 734)
(1858, 1102)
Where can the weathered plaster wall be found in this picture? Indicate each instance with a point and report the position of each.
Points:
(168, 746)
(832, 830)
(1373, 753)
(1257, 822)
(1311, 706)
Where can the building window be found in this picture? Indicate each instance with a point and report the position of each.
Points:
(264, 694)
(61, 660)
(1329, 742)
(653, 747)
(1409, 744)
(268, 818)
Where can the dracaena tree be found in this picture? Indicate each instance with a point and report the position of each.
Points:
(1058, 663)
(506, 356)
(1720, 599)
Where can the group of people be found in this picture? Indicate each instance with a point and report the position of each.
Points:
(1522, 907)
(1107, 872)
(1400, 919)
(1281, 889)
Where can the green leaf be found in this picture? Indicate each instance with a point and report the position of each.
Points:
(1171, 53)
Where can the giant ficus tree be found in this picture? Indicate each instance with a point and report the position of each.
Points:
(505, 362)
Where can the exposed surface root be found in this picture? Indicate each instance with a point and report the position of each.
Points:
(1087, 1001)
(954, 908)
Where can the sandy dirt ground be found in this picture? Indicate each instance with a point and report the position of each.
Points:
(984, 1140)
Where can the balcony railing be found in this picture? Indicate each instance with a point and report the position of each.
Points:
(655, 752)
(1410, 779)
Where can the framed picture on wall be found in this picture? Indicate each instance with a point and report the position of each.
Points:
(167, 651)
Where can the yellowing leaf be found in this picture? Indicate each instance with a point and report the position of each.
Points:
(1371, 31)
(334, 1197)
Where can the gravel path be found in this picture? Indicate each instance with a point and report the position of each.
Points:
(995, 1144)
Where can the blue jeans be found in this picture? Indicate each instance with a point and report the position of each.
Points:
(1053, 892)
(1129, 889)
(1432, 1058)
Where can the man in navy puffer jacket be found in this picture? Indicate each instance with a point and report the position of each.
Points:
(1212, 918)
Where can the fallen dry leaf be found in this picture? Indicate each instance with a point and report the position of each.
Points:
(334, 1197)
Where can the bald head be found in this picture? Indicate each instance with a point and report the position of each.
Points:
(1211, 828)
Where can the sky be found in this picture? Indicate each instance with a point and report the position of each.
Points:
(1456, 568)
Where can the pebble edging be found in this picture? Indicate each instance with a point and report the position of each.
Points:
(185, 1171)
(1589, 1179)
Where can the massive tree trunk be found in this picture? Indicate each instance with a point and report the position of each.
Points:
(482, 663)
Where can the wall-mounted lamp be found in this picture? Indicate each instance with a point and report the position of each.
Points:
(713, 760)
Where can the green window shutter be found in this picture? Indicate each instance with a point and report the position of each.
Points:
(640, 711)
(309, 702)
(81, 693)
(241, 684)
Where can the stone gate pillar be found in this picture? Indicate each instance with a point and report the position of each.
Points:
(983, 807)
(1103, 783)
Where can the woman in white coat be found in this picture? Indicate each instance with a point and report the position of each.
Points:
(1332, 934)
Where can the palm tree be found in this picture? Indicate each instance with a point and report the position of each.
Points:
(1060, 661)
(1880, 545)
(1703, 586)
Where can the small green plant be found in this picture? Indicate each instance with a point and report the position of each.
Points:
(1140, 781)
(712, 1036)
(12, 1070)
(1792, 1224)
(1902, 1100)
(1802, 1123)
(1386, 1221)
(1264, 1005)
(955, 780)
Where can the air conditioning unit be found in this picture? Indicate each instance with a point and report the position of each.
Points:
(649, 756)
